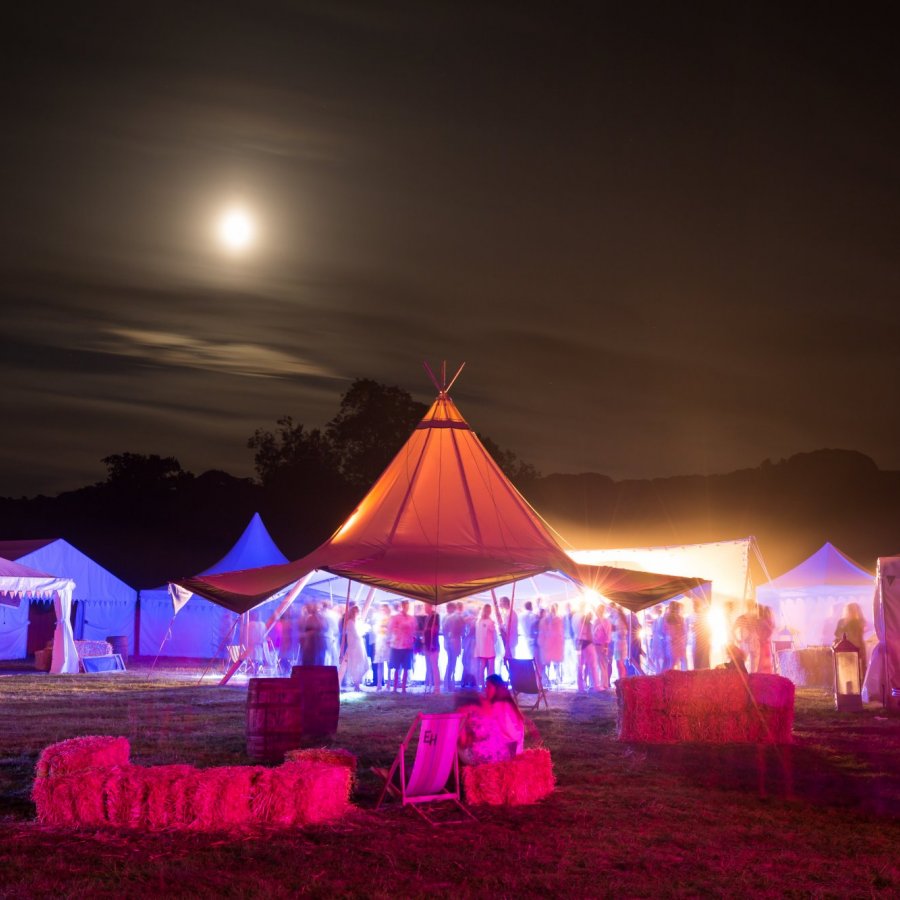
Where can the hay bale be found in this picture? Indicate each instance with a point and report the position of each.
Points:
(70, 777)
(332, 756)
(81, 783)
(164, 805)
(79, 754)
(519, 781)
(811, 667)
(222, 797)
(714, 706)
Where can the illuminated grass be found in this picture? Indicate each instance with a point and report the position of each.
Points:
(817, 819)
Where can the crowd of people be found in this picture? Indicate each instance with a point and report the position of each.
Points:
(460, 644)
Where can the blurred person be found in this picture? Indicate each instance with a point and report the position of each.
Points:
(745, 632)
(357, 660)
(485, 645)
(700, 633)
(552, 641)
(620, 644)
(510, 721)
(469, 675)
(765, 627)
(382, 654)
(675, 630)
(314, 638)
(528, 625)
(601, 636)
(431, 646)
(452, 628)
(587, 676)
(509, 625)
(401, 636)
(853, 625)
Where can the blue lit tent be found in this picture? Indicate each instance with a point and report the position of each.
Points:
(104, 604)
(200, 628)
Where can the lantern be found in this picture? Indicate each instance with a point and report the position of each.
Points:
(847, 676)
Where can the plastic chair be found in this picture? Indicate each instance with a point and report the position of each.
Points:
(272, 659)
(524, 678)
(436, 761)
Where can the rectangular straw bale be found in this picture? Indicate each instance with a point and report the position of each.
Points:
(222, 797)
(125, 793)
(522, 780)
(78, 754)
(333, 756)
(160, 810)
(320, 792)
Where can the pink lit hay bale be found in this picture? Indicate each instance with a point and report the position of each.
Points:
(163, 805)
(222, 797)
(524, 779)
(70, 777)
(714, 706)
(76, 788)
(303, 793)
(335, 757)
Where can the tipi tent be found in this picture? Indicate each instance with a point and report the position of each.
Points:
(440, 523)
(883, 675)
(104, 604)
(809, 599)
(201, 627)
(18, 586)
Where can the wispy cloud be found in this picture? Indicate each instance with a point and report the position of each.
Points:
(168, 348)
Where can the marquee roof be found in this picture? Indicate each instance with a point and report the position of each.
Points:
(828, 566)
(440, 523)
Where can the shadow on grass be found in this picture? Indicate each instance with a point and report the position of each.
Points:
(792, 772)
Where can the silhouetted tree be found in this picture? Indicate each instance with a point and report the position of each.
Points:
(138, 473)
(372, 424)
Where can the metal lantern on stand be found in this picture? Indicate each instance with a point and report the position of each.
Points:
(847, 676)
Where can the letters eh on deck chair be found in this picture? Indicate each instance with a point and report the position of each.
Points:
(436, 761)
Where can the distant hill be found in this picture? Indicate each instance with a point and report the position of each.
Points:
(792, 506)
(147, 535)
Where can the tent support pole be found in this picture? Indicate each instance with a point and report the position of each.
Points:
(218, 655)
(289, 598)
(166, 636)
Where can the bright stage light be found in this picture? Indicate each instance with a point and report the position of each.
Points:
(236, 230)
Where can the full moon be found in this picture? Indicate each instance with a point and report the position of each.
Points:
(236, 230)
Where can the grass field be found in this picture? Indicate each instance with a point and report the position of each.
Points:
(818, 818)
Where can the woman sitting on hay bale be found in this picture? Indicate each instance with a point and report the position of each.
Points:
(497, 769)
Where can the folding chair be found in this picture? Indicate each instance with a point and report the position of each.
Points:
(436, 760)
(272, 659)
(235, 651)
(524, 678)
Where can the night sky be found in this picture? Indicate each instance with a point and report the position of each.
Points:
(663, 237)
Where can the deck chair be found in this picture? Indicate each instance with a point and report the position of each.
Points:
(272, 662)
(235, 651)
(524, 678)
(436, 761)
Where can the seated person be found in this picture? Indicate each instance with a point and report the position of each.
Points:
(505, 710)
(480, 737)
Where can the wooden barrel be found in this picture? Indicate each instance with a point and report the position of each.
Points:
(274, 718)
(119, 644)
(321, 698)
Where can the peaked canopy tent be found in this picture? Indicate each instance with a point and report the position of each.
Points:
(201, 627)
(104, 604)
(441, 522)
(883, 675)
(809, 599)
(18, 586)
(725, 564)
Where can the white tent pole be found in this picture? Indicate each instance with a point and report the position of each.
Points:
(289, 598)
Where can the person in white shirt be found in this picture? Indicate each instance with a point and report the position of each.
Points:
(485, 644)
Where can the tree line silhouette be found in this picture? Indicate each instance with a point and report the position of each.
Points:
(150, 520)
